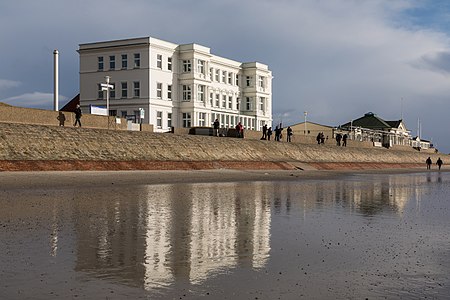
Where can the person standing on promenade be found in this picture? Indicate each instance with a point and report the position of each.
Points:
(344, 140)
(289, 134)
(216, 126)
(439, 163)
(429, 162)
(269, 133)
(78, 115)
(264, 132)
(338, 139)
(318, 138)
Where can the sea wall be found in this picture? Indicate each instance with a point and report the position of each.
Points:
(21, 143)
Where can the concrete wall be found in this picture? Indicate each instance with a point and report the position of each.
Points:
(37, 142)
(13, 114)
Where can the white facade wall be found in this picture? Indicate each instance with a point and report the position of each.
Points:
(202, 86)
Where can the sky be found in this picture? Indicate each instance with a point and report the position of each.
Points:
(335, 59)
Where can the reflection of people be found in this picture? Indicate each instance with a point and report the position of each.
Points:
(439, 163)
(216, 125)
(429, 162)
(61, 118)
(78, 115)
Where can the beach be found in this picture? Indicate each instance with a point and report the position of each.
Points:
(225, 234)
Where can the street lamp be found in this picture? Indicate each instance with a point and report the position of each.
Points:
(105, 87)
(305, 113)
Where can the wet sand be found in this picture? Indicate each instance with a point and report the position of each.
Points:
(225, 234)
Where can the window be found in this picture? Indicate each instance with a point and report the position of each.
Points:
(261, 81)
(211, 99)
(113, 112)
(99, 91)
(224, 76)
(224, 101)
(230, 78)
(201, 119)
(159, 119)
(137, 60)
(159, 61)
(217, 100)
(238, 102)
(169, 92)
(201, 66)
(211, 74)
(136, 89)
(217, 75)
(248, 81)
(237, 79)
(112, 62)
(124, 61)
(186, 66)
(261, 103)
(186, 120)
(123, 114)
(186, 93)
(248, 103)
(201, 93)
(169, 120)
(230, 102)
(124, 87)
(112, 91)
(159, 90)
(100, 63)
(169, 63)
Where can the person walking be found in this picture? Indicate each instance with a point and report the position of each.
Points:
(338, 139)
(269, 133)
(264, 132)
(344, 140)
(429, 162)
(318, 138)
(216, 126)
(439, 163)
(289, 134)
(78, 115)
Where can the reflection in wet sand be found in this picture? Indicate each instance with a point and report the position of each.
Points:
(173, 233)
(367, 230)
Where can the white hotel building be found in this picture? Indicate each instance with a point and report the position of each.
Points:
(176, 85)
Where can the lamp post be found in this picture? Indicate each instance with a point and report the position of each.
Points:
(305, 113)
(105, 87)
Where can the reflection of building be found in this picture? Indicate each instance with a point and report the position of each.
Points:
(176, 85)
(156, 234)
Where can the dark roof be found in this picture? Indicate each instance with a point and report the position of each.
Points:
(372, 121)
(72, 104)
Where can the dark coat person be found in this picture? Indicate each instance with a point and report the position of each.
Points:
(439, 163)
(78, 115)
(428, 162)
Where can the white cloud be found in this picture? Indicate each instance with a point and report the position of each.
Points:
(34, 100)
(7, 84)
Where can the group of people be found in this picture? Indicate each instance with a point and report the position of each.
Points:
(429, 162)
(320, 138)
(239, 129)
(267, 133)
(343, 138)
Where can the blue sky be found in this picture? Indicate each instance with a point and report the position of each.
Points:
(336, 59)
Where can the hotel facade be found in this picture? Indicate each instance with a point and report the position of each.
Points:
(174, 85)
